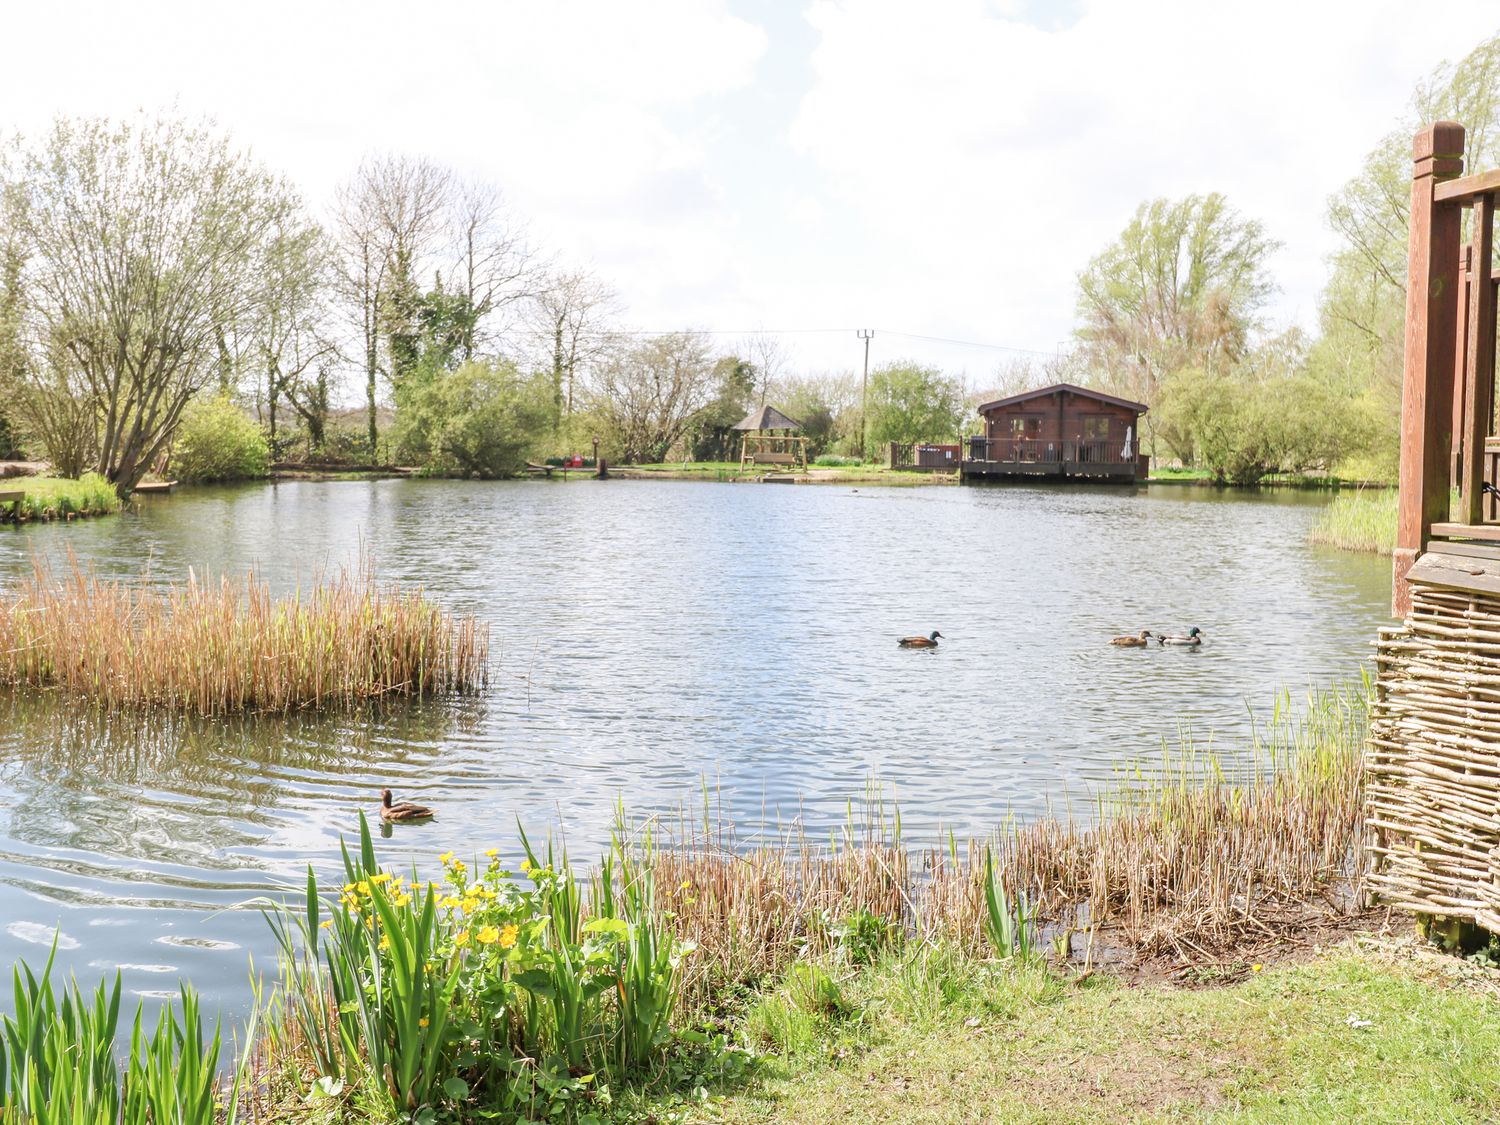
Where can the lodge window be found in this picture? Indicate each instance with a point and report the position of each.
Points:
(1096, 427)
(1025, 426)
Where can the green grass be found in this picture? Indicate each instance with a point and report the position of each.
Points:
(1361, 520)
(942, 1040)
(59, 497)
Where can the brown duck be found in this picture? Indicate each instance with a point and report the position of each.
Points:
(920, 642)
(1140, 641)
(401, 812)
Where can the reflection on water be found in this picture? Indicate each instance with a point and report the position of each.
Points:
(648, 636)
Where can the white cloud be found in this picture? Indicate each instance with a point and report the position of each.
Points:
(942, 168)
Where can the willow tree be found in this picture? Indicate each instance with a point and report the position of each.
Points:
(140, 239)
(1183, 286)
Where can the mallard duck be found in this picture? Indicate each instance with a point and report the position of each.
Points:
(1193, 638)
(403, 811)
(920, 642)
(1140, 641)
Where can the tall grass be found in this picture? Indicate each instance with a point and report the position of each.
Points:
(62, 498)
(59, 1061)
(1188, 855)
(1360, 520)
(229, 646)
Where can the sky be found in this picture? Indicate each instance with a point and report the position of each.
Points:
(934, 171)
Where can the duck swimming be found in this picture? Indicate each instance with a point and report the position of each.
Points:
(1140, 641)
(1194, 638)
(401, 812)
(920, 642)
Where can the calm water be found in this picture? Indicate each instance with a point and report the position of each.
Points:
(648, 638)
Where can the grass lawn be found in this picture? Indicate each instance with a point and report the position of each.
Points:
(936, 1040)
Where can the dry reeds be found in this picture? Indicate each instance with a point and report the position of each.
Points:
(1190, 859)
(229, 646)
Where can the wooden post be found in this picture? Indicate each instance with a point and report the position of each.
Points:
(1431, 323)
(1456, 460)
(1479, 362)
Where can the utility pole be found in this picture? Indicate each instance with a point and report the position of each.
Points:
(864, 334)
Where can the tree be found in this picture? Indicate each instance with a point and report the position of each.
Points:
(392, 214)
(826, 405)
(910, 403)
(1364, 302)
(1271, 413)
(494, 267)
(649, 393)
(218, 441)
(1182, 286)
(290, 326)
(768, 360)
(483, 420)
(140, 239)
(569, 314)
(712, 436)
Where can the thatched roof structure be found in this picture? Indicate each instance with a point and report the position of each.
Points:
(767, 418)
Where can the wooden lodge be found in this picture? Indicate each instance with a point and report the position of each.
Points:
(1061, 432)
(1432, 768)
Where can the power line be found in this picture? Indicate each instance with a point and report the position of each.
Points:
(798, 331)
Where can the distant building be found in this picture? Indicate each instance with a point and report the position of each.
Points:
(1061, 432)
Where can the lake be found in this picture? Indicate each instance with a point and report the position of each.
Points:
(656, 642)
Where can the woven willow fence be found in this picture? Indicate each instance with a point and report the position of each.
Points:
(1432, 780)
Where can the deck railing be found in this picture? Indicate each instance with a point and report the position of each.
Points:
(1034, 450)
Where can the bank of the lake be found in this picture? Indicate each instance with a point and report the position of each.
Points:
(58, 498)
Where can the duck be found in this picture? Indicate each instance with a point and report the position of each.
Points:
(401, 812)
(1194, 638)
(1140, 641)
(929, 641)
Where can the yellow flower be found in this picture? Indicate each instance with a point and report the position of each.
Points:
(362, 887)
(470, 905)
(449, 903)
(471, 892)
(422, 1022)
(461, 938)
(385, 942)
(489, 894)
(325, 925)
(382, 877)
(348, 888)
(492, 852)
(487, 935)
(446, 858)
(459, 865)
(687, 885)
(1256, 968)
(508, 936)
(526, 867)
(403, 900)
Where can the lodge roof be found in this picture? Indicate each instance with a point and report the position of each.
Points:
(1043, 392)
(767, 418)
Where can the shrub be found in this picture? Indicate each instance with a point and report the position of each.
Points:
(218, 441)
(56, 497)
(482, 420)
(833, 460)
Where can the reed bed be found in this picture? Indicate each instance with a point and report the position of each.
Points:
(219, 647)
(1189, 858)
(1360, 520)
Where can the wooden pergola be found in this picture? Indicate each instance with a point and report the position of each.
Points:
(770, 438)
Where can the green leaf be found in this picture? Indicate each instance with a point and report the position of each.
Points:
(456, 1088)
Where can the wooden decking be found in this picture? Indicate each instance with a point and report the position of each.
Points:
(1068, 460)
